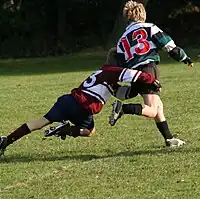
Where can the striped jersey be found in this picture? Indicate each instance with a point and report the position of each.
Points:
(96, 90)
(140, 43)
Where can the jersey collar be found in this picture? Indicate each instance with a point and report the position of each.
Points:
(131, 24)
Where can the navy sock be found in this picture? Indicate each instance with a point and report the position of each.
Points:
(18, 133)
(164, 130)
(134, 109)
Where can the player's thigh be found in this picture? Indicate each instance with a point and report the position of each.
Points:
(151, 100)
(152, 69)
(65, 108)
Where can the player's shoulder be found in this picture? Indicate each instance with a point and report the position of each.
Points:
(154, 28)
(147, 24)
(151, 27)
(139, 25)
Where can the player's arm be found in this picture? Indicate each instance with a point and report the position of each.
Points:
(165, 42)
(112, 56)
(133, 76)
(123, 92)
(120, 56)
(141, 78)
(114, 74)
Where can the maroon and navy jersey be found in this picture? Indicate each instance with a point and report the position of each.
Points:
(96, 90)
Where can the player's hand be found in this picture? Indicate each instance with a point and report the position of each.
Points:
(188, 61)
(157, 85)
(148, 80)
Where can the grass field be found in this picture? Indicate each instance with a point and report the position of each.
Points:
(127, 161)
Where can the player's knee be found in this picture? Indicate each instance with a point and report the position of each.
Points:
(155, 103)
(154, 112)
(33, 125)
(157, 108)
(160, 106)
(37, 124)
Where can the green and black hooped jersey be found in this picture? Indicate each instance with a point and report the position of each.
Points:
(140, 43)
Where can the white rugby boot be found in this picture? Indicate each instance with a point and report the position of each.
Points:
(174, 142)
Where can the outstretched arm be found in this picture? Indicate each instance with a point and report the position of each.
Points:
(165, 42)
(114, 74)
(131, 76)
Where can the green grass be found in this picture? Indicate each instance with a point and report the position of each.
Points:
(127, 161)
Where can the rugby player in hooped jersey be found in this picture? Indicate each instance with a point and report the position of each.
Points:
(138, 49)
(82, 103)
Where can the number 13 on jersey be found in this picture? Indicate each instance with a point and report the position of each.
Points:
(140, 48)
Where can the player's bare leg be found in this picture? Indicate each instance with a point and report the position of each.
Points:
(34, 125)
(20, 132)
(118, 109)
(154, 101)
(151, 110)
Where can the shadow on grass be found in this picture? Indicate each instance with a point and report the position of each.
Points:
(88, 157)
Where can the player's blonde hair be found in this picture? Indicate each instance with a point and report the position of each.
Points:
(134, 12)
